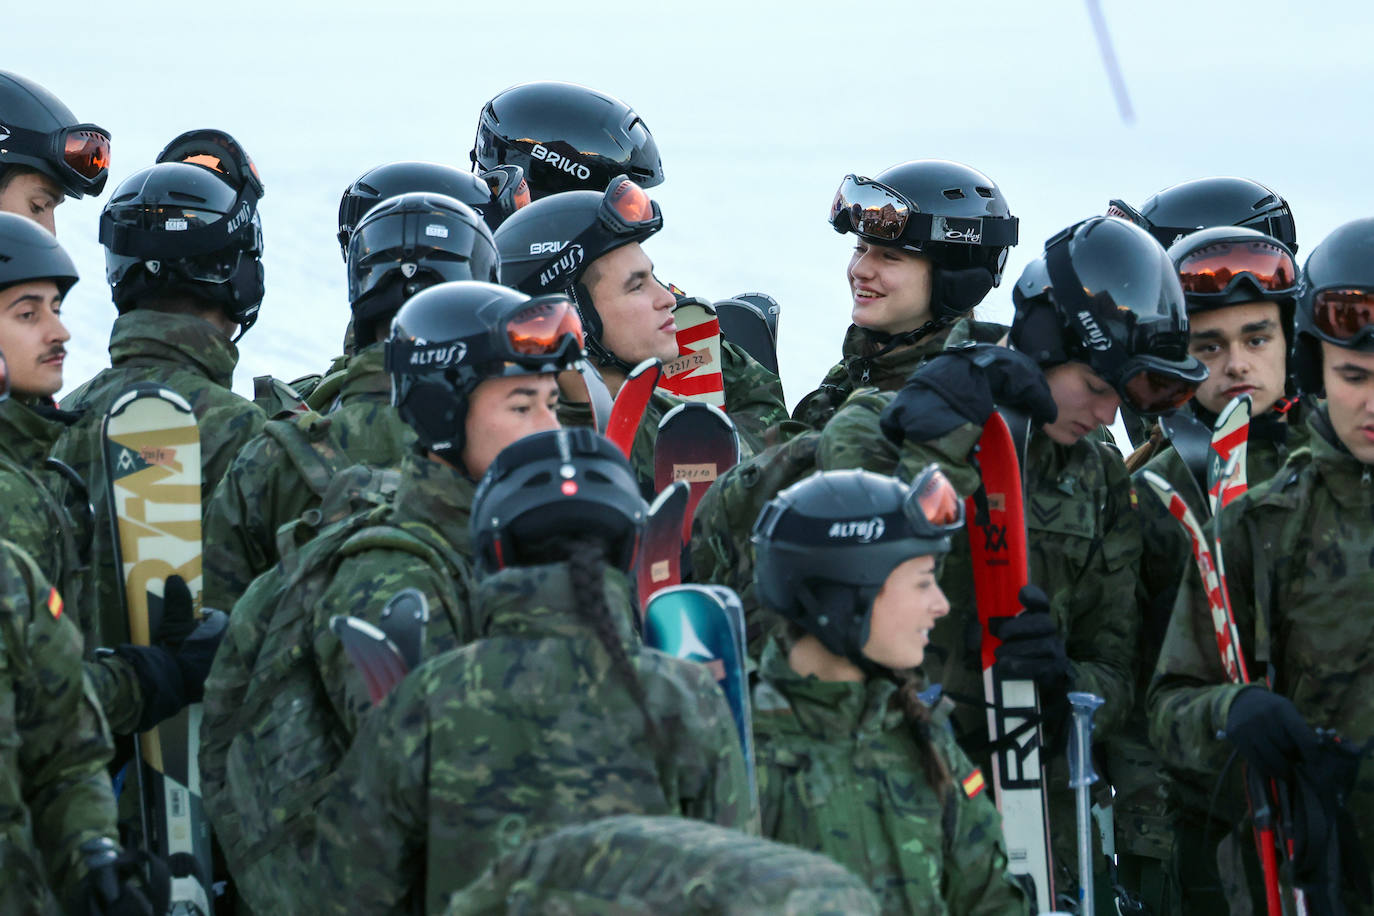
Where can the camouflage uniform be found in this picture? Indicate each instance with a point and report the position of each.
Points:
(864, 365)
(54, 745)
(283, 701)
(1300, 573)
(38, 522)
(839, 772)
(1146, 817)
(720, 548)
(193, 358)
(1084, 551)
(286, 469)
(645, 866)
(498, 743)
(753, 401)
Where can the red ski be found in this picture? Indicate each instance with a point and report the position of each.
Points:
(630, 403)
(659, 564)
(696, 443)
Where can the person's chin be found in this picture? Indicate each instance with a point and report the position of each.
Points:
(1066, 432)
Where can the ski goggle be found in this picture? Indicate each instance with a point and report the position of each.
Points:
(626, 212)
(547, 326)
(217, 151)
(1151, 392)
(1344, 315)
(542, 333)
(509, 189)
(627, 208)
(934, 506)
(872, 210)
(1218, 267)
(80, 154)
(1122, 210)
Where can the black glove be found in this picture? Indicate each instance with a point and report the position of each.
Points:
(197, 651)
(118, 884)
(1269, 733)
(1032, 649)
(963, 386)
(1327, 856)
(178, 614)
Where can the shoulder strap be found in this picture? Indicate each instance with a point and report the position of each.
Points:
(295, 437)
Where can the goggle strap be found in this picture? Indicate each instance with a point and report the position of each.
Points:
(1074, 303)
(201, 240)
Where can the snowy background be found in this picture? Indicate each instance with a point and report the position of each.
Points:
(758, 109)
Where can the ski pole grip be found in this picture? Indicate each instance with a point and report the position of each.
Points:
(1081, 772)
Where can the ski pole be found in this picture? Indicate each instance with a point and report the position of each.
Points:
(1081, 776)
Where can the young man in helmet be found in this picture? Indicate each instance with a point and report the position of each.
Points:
(403, 245)
(1241, 289)
(474, 368)
(589, 244)
(1099, 319)
(930, 240)
(182, 253)
(1299, 576)
(47, 154)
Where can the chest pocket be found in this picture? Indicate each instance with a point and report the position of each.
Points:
(1063, 536)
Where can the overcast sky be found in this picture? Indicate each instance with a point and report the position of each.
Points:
(758, 109)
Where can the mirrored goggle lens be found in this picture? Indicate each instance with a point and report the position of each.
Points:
(872, 210)
(1153, 392)
(939, 502)
(1343, 313)
(630, 203)
(87, 152)
(1212, 268)
(543, 328)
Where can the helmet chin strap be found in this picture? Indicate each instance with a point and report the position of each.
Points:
(591, 322)
(830, 611)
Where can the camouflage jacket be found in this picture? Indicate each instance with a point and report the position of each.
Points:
(1083, 543)
(864, 365)
(753, 401)
(286, 469)
(1300, 574)
(1142, 815)
(37, 520)
(633, 865)
(194, 359)
(839, 772)
(54, 745)
(500, 742)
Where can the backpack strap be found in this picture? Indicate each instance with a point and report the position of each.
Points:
(297, 437)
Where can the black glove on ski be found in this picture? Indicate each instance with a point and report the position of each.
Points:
(197, 651)
(1269, 733)
(963, 386)
(178, 614)
(116, 883)
(1032, 649)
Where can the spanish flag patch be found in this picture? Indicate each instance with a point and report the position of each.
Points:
(973, 783)
(54, 603)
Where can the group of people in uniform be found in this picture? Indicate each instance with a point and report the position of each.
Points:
(539, 758)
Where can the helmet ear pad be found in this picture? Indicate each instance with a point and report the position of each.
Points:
(954, 292)
(1306, 365)
(438, 414)
(840, 616)
(1038, 332)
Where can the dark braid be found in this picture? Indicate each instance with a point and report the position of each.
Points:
(586, 559)
(918, 717)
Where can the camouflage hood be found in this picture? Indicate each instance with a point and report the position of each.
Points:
(828, 709)
(143, 338)
(437, 496)
(26, 437)
(536, 602)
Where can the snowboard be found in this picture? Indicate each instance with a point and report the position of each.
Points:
(744, 325)
(151, 449)
(696, 373)
(659, 563)
(630, 403)
(696, 443)
(997, 543)
(705, 623)
(766, 304)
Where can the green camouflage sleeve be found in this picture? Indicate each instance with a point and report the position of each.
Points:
(370, 827)
(1190, 695)
(976, 877)
(121, 695)
(239, 532)
(365, 583)
(61, 743)
(224, 430)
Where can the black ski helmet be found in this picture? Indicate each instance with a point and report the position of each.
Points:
(566, 137)
(180, 226)
(547, 246)
(1105, 293)
(495, 197)
(1176, 211)
(563, 482)
(824, 546)
(945, 211)
(1337, 304)
(30, 252)
(39, 132)
(409, 242)
(448, 339)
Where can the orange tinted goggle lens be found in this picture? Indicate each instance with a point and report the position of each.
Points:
(1211, 269)
(541, 329)
(630, 202)
(1155, 392)
(87, 152)
(938, 501)
(1343, 313)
